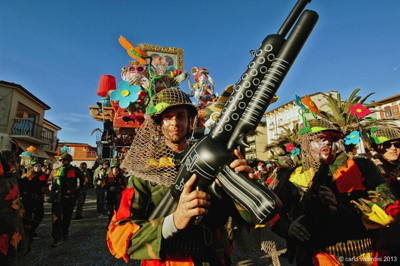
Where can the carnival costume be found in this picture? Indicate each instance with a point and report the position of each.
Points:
(153, 167)
(11, 211)
(362, 198)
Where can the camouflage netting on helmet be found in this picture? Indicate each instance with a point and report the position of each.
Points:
(149, 157)
(168, 98)
(316, 126)
(383, 134)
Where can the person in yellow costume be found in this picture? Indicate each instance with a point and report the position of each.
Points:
(333, 203)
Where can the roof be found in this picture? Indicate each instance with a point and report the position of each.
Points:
(10, 84)
(386, 100)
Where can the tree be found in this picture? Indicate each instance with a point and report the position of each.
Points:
(339, 112)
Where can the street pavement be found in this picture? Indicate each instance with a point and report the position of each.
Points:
(87, 243)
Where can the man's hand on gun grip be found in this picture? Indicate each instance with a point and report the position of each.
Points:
(191, 204)
(240, 164)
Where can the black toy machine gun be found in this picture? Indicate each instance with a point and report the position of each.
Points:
(209, 158)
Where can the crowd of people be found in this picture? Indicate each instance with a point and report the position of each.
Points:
(332, 206)
(24, 191)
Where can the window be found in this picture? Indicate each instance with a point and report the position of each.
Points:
(388, 111)
(25, 121)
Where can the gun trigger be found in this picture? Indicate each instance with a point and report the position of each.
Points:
(241, 142)
(214, 190)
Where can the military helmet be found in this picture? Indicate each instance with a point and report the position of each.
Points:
(383, 134)
(168, 98)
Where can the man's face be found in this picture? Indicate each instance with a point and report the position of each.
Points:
(323, 148)
(175, 125)
(37, 167)
(65, 161)
(390, 150)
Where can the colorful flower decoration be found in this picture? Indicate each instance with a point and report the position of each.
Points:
(297, 101)
(352, 138)
(394, 209)
(359, 110)
(25, 153)
(306, 106)
(31, 149)
(349, 178)
(125, 94)
(64, 149)
(296, 151)
(289, 147)
(310, 104)
(292, 149)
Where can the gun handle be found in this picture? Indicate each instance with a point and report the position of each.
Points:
(251, 195)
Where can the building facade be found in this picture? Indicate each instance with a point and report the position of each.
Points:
(23, 123)
(80, 152)
(388, 108)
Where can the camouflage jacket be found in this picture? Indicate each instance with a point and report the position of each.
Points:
(148, 242)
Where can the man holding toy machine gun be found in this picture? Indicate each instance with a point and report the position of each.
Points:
(180, 197)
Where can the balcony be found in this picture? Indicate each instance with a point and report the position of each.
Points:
(27, 130)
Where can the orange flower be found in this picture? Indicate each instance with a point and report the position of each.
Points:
(306, 100)
(31, 149)
(348, 178)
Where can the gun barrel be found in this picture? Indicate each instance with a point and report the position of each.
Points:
(262, 97)
(292, 17)
(251, 79)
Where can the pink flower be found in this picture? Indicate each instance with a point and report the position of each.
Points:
(359, 110)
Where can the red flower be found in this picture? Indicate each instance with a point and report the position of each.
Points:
(289, 147)
(4, 243)
(12, 194)
(359, 110)
(394, 209)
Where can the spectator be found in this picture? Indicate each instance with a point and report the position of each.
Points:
(99, 180)
(64, 186)
(82, 188)
(115, 184)
(32, 189)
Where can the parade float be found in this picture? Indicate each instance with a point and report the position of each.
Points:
(123, 103)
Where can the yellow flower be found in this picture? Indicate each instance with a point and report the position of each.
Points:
(379, 216)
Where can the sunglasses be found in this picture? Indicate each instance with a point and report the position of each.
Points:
(388, 145)
(135, 69)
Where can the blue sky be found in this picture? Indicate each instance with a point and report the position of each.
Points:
(58, 49)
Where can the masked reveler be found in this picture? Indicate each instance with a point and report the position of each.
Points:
(32, 189)
(153, 161)
(333, 204)
(12, 237)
